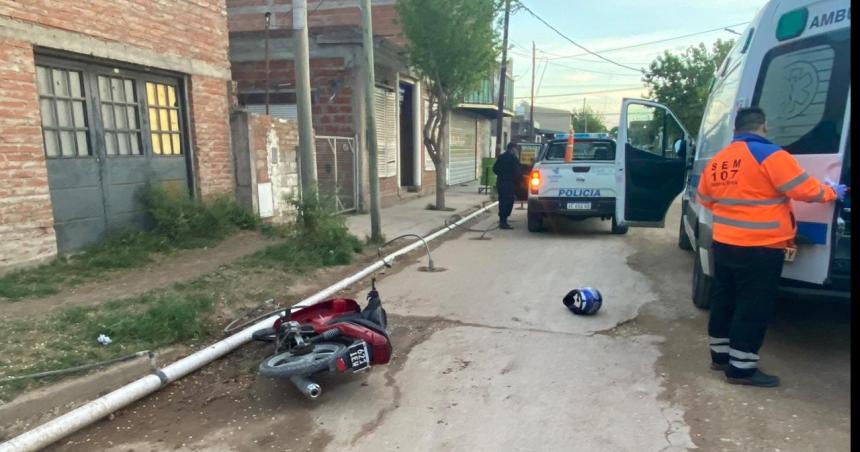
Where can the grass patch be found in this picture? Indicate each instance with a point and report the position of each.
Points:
(68, 338)
(318, 237)
(179, 223)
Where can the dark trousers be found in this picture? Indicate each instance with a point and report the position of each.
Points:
(743, 295)
(506, 199)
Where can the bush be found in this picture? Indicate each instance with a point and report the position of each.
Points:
(318, 237)
(189, 223)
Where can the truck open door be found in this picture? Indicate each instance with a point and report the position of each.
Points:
(651, 163)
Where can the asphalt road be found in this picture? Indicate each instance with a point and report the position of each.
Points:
(488, 358)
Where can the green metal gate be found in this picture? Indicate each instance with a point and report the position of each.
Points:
(107, 133)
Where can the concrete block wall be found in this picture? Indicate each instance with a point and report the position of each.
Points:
(274, 143)
(186, 37)
(267, 169)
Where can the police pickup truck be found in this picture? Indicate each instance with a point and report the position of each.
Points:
(580, 189)
(631, 181)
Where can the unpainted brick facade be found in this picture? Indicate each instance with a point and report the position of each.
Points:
(336, 73)
(186, 37)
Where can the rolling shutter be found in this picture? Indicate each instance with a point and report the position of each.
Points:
(461, 159)
(386, 131)
(283, 111)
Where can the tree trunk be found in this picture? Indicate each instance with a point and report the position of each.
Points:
(441, 183)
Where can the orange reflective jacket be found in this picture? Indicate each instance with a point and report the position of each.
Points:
(748, 186)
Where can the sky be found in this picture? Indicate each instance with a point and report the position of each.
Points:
(608, 27)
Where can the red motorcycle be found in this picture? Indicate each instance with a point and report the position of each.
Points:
(334, 335)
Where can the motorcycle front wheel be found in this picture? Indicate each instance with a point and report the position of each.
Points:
(287, 364)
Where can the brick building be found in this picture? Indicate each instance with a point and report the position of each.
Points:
(338, 84)
(97, 98)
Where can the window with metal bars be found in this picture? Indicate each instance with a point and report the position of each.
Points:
(62, 102)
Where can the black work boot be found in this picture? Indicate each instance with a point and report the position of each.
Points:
(757, 378)
(722, 367)
(505, 225)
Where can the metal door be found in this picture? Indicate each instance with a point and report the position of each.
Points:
(462, 160)
(101, 148)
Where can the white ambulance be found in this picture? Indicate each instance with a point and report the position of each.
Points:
(794, 62)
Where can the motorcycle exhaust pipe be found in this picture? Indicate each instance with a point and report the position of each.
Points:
(306, 386)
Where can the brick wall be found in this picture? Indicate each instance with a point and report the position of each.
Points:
(183, 36)
(187, 28)
(330, 78)
(248, 15)
(210, 117)
(26, 221)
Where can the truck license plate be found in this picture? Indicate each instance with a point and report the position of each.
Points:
(790, 254)
(359, 359)
(579, 206)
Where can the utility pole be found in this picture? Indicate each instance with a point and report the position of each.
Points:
(502, 76)
(307, 150)
(268, 22)
(370, 133)
(584, 115)
(532, 102)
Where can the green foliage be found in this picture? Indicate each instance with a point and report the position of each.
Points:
(453, 46)
(319, 237)
(586, 120)
(681, 81)
(179, 222)
(188, 223)
(68, 338)
(451, 43)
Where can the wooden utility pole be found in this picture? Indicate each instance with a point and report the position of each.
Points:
(307, 151)
(503, 72)
(532, 102)
(370, 133)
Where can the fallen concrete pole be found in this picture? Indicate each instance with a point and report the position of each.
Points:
(91, 412)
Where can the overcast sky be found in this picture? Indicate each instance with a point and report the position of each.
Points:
(610, 24)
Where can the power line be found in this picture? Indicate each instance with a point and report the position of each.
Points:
(574, 42)
(628, 88)
(592, 71)
(642, 44)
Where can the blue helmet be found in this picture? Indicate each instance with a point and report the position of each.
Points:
(583, 301)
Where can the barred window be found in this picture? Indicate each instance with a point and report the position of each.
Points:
(63, 109)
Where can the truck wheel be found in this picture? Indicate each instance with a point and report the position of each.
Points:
(701, 285)
(535, 222)
(683, 238)
(620, 230)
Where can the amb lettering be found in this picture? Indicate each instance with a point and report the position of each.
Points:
(579, 192)
(830, 18)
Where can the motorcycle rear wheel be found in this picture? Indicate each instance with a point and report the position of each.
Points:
(287, 364)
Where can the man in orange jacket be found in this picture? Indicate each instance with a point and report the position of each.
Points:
(749, 186)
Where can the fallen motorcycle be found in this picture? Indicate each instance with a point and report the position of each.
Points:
(335, 335)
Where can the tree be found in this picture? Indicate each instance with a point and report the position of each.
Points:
(453, 46)
(681, 81)
(586, 120)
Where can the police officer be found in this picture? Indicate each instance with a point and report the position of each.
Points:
(508, 175)
(749, 186)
